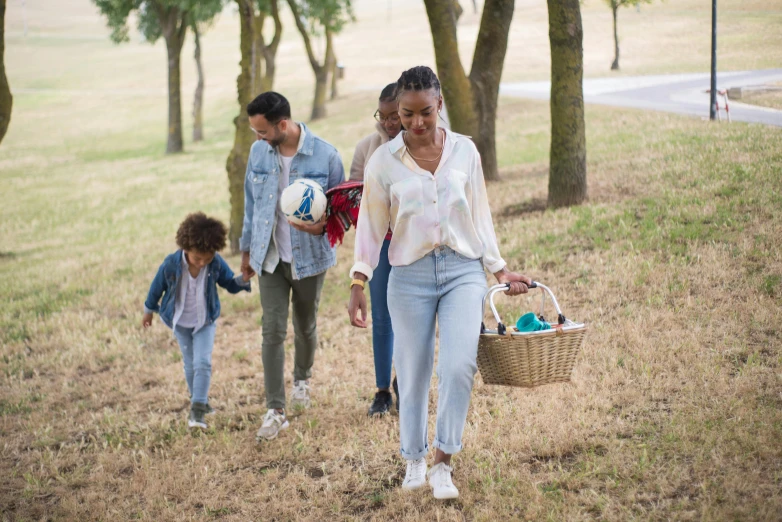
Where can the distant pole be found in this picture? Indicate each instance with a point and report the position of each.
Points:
(713, 91)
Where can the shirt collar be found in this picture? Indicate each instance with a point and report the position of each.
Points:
(397, 146)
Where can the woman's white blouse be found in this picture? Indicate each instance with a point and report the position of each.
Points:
(424, 211)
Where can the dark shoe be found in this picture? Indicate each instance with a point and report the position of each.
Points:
(396, 392)
(209, 409)
(197, 412)
(381, 405)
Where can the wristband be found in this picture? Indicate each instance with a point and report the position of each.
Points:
(357, 282)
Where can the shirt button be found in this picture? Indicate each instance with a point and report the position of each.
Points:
(267, 221)
(255, 179)
(271, 196)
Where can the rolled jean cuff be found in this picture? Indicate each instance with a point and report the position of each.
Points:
(415, 456)
(448, 449)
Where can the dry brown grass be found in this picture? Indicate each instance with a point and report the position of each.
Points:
(675, 263)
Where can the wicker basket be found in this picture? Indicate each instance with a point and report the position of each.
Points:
(528, 359)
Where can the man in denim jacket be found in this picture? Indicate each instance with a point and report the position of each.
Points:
(288, 257)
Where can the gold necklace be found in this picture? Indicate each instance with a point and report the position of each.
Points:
(442, 148)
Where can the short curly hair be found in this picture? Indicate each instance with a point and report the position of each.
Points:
(201, 233)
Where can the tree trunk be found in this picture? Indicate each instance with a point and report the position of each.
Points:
(615, 64)
(333, 71)
(198, 98)
(567, 171)
(485, 78)
(321, 70)
(6, 100)
(236, 164)
(173, 24)
(322, 80)
(472, 102)
(456, 87)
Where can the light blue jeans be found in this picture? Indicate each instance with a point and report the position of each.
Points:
(382, 332)
(446, 287)
(197, 359)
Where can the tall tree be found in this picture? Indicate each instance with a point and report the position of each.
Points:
(6, 100)
(201, 17)
(156, 18)
(472, 100)
(256, 75)
(315, 18)
(615, 5)
(567, 162)
(198, 96)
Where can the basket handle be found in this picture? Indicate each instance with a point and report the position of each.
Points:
(501, 328)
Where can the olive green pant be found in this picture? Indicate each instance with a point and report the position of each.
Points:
(275, 290)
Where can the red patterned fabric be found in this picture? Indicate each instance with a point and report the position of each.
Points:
(344, 201)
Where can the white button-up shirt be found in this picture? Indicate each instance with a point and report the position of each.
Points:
(424, 211)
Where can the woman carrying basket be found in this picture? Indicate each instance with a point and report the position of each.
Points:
(427, 185)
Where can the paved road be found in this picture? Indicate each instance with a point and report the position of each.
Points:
(679, 93)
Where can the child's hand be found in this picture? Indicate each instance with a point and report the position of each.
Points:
(246, 276)
(146, 322)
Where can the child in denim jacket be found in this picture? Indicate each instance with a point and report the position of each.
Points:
(187, 282)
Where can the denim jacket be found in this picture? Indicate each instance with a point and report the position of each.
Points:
(167, 280)
(316, 160)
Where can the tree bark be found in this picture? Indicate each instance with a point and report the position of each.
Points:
(198, 98)
(236, 164)
(6, 99)
(270, 51)
(321, 70)
(487, 64)
(567, 170)
(615, 63)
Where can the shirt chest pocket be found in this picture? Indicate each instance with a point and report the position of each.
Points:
(258, 179)
(407, 198)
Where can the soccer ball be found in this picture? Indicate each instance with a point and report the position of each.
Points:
(303, 202)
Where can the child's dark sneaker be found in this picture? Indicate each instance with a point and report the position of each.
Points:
(382, 404)
(209, 409)
(197, 412)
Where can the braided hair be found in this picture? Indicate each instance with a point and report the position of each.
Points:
(420, 78)
(388, 94)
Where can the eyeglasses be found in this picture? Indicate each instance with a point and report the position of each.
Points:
(263, 133)
(394, 118)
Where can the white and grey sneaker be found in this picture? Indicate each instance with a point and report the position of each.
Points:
(440, 480)
(415, 477)
(273, 423)
(300, 395)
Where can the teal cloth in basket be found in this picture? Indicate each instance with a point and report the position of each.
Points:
(530, 323)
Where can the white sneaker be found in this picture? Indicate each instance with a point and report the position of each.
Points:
(273, 423)
(415, 477)
(300, 396)
(440, 480)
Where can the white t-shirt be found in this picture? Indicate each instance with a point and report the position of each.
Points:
(282, 235)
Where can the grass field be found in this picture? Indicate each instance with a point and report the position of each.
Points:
(675, 263)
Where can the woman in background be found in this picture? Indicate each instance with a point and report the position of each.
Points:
(387, 128)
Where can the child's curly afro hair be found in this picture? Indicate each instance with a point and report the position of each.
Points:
(201, 233)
